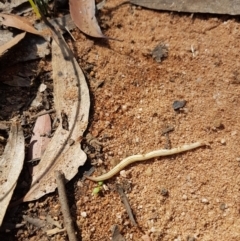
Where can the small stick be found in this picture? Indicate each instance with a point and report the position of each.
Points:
(166, 132)
(126, 203)
(70, 33)
(43, 113)
(60, 179)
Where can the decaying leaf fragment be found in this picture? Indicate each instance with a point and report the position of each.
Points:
(19, 23)
(11, 164)
(71, 96)
(40, 138)
(11, 43)
(83, 15)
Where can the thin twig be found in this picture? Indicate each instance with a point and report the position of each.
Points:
(69, 225)
(43, 113)
(167, 130)
(126, 203)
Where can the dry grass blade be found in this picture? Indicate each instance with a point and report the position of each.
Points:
(11, 43)
(71, 96)
(83, 15)
(11, 164)
(19, 23)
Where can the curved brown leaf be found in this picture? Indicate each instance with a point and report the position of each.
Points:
(72, 102)
(19, 23)
(83, 15)
(11, 164)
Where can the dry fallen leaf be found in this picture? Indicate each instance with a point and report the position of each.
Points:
(83, 15)
(40, 138)
(71, 96)
(231, 7)
(11, 43)
(19, 23)
(11, 164)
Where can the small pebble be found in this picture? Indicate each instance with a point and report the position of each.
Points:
(42, 87)
(189, 238)
(184, 197)
(84, 214)
(124, 107)
(223, 206)
(123, 173)
(153, 229)
(233, 133)
(178, 104)
(93, 229)
(204, 200)
(217, 123)
(149, 171)
(223, 141)
(164, 192)
(160, 52)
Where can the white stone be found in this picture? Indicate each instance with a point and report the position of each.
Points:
(84, 214)
(204, 200)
